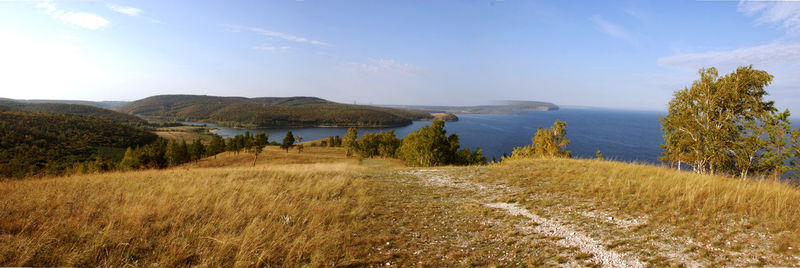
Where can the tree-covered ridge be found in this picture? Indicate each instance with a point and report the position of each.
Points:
(37, 143)
(270, 112)
(73, 109)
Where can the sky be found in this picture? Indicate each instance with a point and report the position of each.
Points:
(613, 54)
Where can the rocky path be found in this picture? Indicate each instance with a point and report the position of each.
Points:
(568, 239)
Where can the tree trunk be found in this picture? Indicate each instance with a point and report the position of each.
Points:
(254, 160)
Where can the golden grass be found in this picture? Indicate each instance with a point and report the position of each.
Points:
(320, 208)
(224, 216)
(274, 155)
(715, 209)
(187, 133)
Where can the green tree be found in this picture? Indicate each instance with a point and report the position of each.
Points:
(260, 140)
(349, 141)
(129, 161)
(176, 153)
(216, 146)
(430, 146)
(288, 141)
(547, 142)
(776, 150)
(196, 150)
(708, 124)
(599, 155)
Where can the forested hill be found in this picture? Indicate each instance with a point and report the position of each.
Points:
(99, 104)
(36, 143)
(269, 112)
(73, 109)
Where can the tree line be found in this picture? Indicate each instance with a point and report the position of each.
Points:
(427, 146)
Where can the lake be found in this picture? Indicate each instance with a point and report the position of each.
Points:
(621, 135)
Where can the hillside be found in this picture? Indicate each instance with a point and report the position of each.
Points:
(99, 104)
(319, 208)
(73, 109)
(38, 143)
(269, 112)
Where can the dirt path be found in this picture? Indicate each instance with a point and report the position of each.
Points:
(564, 234)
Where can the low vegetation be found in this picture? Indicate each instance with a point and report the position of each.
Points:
(547, 142)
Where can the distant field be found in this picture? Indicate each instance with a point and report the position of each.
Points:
(187, 133)
(320, 208)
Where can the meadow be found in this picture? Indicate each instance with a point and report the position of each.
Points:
(320, 208)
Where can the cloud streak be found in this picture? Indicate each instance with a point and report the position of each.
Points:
(82, 19)
(130, 11)
(781, 14)
(765, 55)
(285, 36)
(613, 30)
(271, 48)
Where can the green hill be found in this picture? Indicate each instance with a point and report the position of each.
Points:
(269, 112)
(99, 104)
(37, 143)
(73, 109)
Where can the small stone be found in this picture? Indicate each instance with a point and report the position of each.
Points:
(610, 218)
(387, 243)
(388, 263)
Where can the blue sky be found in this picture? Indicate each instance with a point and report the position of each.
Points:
(626, 54)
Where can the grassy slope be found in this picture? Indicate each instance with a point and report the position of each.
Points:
(322, 209)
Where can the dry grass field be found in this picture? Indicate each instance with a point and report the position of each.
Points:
(187, 133)
(320, 208)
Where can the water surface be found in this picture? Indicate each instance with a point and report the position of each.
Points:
(620, 135)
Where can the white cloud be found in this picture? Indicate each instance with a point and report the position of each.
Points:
(391, 64)
(613, 30)
(762, 56)
(781, 14)
(271, 48)
(285, 36)
(130, 11)
(82, 19)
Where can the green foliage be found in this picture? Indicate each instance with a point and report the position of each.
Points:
(260, 140)
(270, 112)
(724, 125)
(39, 143)
(288, 141)
(430, 146)
(216, 146)
(177, 153)
(130, 160)
(383, 144)
(197, 150)
(349, 141)
(547, 142)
